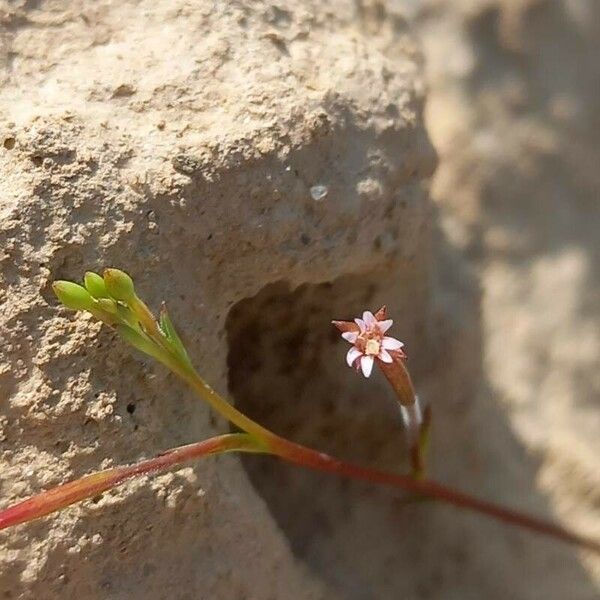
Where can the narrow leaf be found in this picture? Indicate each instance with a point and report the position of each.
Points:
(169, 330)
(141, 342)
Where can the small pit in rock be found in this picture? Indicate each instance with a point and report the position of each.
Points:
(287, 370)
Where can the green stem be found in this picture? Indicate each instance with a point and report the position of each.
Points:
(227, 410)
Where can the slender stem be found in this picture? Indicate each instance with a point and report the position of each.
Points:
(91, 485)
(226, 409)
(313, 459)
(184, 369)
(307, 457)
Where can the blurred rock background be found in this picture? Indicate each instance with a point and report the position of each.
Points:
(513, 111)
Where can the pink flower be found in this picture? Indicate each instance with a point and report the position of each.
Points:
(369, 342)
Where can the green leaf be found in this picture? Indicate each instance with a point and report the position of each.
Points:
(167, 327)
(141, 342)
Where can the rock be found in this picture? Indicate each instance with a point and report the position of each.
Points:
(209, 210)
(512, 110)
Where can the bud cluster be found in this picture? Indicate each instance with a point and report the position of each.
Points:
(111, 298)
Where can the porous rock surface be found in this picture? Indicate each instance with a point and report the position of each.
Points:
(209, 149)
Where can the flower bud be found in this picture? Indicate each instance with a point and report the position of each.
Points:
(119, 285)
(72, 295)
(95, 285)
(108, 305)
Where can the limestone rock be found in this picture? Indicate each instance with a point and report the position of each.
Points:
(180, 141)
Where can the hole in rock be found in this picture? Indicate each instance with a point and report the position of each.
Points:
(287, 370)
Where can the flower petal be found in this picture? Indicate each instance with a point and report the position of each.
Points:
(381, 314)
(385, 325)
(369, 318)
(352, 355)
(350, 336)
(390, 343)
(385, 356)
(361, 324)
(366, 364)
(346, 325)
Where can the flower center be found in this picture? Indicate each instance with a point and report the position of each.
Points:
(372, 347)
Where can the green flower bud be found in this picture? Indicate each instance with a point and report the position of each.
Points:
(108, 305)
(119, 285)
(94, 284)
(72, 295)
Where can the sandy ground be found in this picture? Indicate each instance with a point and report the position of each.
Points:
(181, 140)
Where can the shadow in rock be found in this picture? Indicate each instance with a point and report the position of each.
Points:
(286, 370)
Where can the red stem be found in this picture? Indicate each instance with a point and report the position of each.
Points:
(96, 483)
(91, 485)
(319, 461)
